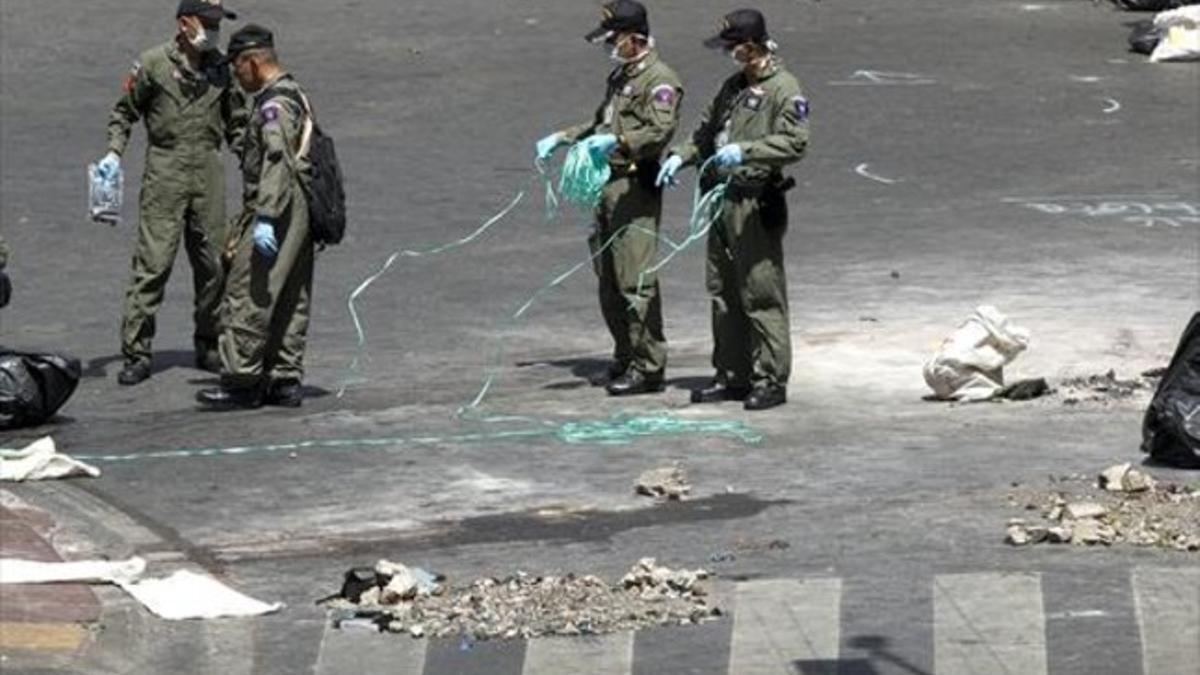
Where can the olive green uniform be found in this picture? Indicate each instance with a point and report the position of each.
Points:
(745, 276)
(187, 114)
(267, 301)
(641, 107)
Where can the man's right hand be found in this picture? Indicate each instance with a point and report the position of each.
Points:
(108, 165)
(549, 144)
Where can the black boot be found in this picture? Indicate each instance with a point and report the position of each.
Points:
(766, 396)
(284, 393)
(134, 372)
(228, 398)
(634, 382)
(719, 391)
(614, 370)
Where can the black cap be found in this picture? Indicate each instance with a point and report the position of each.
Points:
(738, 27)
(620, 16)
(205, 9)
(250, 36)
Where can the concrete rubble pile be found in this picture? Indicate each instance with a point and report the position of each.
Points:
(1122, 506)
(1104, 388)
(525, 606)
(668, 483)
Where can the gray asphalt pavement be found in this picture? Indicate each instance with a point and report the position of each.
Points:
(964, 152)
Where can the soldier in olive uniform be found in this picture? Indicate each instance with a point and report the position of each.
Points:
(755, 126)
(183, 92)
(265, 314)
(632, 127)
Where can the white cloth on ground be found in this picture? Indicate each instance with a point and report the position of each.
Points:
(41, 460)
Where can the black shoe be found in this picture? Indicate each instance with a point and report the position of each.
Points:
(134, 372)
(284, 393)
(208, 360)
(766, 397)
(635, 382)
(719, 391)
(223, 398)
(615, 370)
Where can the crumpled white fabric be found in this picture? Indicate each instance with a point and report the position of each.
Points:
(183, 595)
(41, 460)
(17, 571)
(1181, 41)
(187, 595)
(969, 365)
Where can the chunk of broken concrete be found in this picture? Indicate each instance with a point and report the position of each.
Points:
(1091, 531)
(669, 483)
(1124, 478)
(1083, 510)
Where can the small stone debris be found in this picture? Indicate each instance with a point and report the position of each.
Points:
(1124, 478)
(524, 606)
(1122, 506)
(1106, 388)
(667, 483)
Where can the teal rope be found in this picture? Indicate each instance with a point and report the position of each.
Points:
(584, 175)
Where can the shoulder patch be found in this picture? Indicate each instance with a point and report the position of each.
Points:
(270, 111)
(800, 106)
(663, 94)
(131, 77)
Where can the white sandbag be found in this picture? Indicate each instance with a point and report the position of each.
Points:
(40, 461)
(969, 365)
(1181, 35)
(187, 595)
(17, 571)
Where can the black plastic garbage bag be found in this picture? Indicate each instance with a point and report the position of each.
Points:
(1171, 430)
(34, 386)
(1151, 5)
(1144, 37)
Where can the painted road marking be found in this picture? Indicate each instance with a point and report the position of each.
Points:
(602, 655)
(1168, 613)
(779, 622)
(988, 624)
(363, 651)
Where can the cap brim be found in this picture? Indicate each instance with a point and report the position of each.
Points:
(216, 13)
(595, 35)
(717, 42)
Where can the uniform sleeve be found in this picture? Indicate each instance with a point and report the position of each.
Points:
(282, 123)
(788, 139)
(661, 117)
(138, 88)
(577, 131)
(701, 145)
(235, 115)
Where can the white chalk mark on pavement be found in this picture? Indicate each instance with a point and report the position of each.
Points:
(989, 624)
(604, 655)
(880, 78)
(1168, 612)
(1111, 106)
(861, 170)
(777, 623)
(1090, 79)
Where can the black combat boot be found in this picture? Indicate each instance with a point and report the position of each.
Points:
(284, 393)
(229, 398)
(134, 372)
(766, 396)
(634, 382)
(719, 391)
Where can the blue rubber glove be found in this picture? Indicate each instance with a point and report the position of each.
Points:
(108, 165)
(666, 175)
(549, 144)
(264, 238)
(729, 156)
(601, 144)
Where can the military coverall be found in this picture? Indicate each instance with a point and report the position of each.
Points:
(768, 119)
(267, 301)
(641, 107)
(187, 114)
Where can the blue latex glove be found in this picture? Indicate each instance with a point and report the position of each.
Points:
(108, 165)
(601, 144)
(666, 175)
(549, 144)
(264, 238)
(729, 156)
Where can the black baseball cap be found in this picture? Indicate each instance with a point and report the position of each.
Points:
(739, 27)
(250, 36)
(620, 16)
(205, 9)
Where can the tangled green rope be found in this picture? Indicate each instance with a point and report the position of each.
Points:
(584, 175)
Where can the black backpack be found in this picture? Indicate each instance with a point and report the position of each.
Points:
(323, 185)
(1171, 429)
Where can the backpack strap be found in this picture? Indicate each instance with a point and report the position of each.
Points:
(309, 124)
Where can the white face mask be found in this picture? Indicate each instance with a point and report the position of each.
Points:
(615, 54)
(206, 39)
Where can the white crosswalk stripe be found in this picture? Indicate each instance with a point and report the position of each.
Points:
(988, 624)
(354, 652)
(779, 622)
(604, 655)
(1168, 609)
